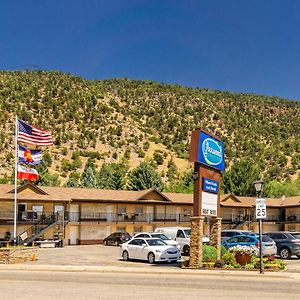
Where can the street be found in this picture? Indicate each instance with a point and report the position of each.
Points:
(87, 285)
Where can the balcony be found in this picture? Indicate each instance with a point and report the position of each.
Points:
(126, 217)
(292, 219)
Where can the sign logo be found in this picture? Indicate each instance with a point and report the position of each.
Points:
(211, 151)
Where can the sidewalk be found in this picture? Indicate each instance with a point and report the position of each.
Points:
(155, 269)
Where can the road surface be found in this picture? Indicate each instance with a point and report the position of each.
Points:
(86, 285)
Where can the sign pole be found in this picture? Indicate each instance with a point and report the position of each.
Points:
(261, 213)
(261, 266)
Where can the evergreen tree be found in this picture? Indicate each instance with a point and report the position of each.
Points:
(112, 176)
(88, 179)
(239, 180)
(144, 177)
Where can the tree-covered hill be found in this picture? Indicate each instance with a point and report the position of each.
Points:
(129, 121)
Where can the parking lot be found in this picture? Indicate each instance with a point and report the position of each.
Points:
(100, 255)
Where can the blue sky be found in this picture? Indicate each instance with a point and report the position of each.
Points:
(243, 46)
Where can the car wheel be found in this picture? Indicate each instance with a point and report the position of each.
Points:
(285, 253)
(125, 256)
(116, 243)
(151, 258)
(105, 243)
(186, 250)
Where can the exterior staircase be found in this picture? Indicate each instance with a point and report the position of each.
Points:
(37, 230)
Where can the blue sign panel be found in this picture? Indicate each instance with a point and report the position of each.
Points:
(211, 186)
(211, 152)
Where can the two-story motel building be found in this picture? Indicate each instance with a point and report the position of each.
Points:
(86, 216)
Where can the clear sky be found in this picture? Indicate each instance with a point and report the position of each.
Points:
(235, 45)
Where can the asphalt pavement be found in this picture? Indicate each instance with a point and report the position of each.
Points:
(100, 258)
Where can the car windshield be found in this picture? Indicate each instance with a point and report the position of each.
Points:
(156, 242)
(160, 236)
(296, 235)
(266, 238)
(187, 232)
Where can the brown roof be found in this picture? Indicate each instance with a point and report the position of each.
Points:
(64, 194)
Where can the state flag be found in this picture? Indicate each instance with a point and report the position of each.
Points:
(28, 156)
(26, 173)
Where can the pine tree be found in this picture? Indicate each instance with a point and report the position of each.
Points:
(144, 177)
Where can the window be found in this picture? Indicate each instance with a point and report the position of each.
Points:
(180, 234)
(187, 233)
(38, 209)
(143, 235)
(134, 242)
(121, 210)
(156, 242)
(278, 236)
(244, 239)
(186, 212)
(138, 210)
(232, 240)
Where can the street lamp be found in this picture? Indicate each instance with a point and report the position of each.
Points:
(259, 185)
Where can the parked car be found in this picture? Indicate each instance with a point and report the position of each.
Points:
(150, 249)
(117, 238)
(158, 235)
(227, 234)
(181, 235)
(288, 243)
(268, 245)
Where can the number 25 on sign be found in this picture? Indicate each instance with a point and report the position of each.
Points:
(261, 211)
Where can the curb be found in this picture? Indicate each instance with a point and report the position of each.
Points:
(128, 270)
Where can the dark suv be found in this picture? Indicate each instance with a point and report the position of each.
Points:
(117, 238)
(288, 243)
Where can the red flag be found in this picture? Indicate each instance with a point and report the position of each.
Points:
(26, 173)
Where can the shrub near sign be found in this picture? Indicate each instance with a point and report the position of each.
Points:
(211, 152)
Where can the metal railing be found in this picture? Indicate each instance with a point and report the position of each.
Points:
(126, 217)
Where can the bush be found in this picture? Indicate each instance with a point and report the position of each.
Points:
(209, 253)
(229, 258)
(223, 251)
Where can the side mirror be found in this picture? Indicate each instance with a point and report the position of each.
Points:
(144, 245)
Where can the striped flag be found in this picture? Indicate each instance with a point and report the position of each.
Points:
(28, 156)
(26, 173)
(31, 135)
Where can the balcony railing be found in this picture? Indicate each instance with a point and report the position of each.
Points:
(126, 217)
(292, 218)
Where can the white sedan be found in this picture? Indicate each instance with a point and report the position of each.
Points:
(158, 235)
(150, 249)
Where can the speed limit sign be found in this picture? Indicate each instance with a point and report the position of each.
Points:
(260, 208)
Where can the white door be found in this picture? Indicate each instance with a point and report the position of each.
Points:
(149, 214)
(59, 210)
(73, 235)
(110, 213)
(74, 212)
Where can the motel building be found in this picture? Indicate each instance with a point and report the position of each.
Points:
(87, 216)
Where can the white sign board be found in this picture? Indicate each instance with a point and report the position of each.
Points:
(209, 204)
(260, 208)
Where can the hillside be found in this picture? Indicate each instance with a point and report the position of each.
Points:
(129, 121)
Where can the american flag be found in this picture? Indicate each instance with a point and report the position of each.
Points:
(31, 135)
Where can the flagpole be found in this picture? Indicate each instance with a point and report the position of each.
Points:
(16, 172)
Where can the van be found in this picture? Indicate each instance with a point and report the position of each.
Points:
(181, 235)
